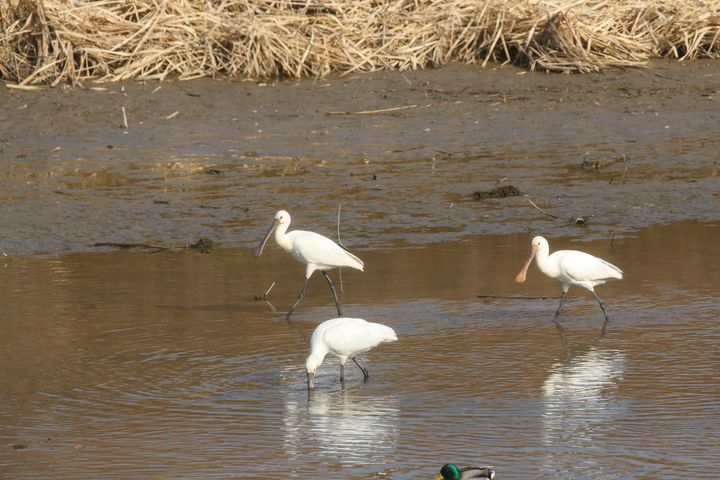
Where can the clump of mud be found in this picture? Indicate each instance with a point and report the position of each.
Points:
(499, 192)
(203, 245)
(598, 165)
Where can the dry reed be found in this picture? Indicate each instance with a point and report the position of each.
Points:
(68, 41)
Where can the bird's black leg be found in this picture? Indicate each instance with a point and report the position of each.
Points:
(562, 300)
(332, 289)
(300, 297)
(602, 306)
(366, 375)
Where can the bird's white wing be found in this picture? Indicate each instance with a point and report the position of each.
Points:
(581, 266)
(311, 247)
(348, 336)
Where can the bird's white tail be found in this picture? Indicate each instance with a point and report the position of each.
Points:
(358, 264)
(383, 332)
(613, 271)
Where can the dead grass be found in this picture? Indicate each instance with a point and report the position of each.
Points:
(69, 41)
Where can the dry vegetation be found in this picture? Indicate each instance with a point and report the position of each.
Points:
(68, 41)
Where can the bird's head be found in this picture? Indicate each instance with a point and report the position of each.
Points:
(282, 217)
(538, 244)
(449, 471)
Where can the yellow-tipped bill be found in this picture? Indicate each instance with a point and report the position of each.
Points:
(520, 278)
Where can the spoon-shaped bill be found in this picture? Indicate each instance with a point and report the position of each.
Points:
(520, 278)
(259, 249)
(310, 380)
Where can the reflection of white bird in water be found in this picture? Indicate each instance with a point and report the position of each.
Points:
(571, 267)
(450, 471)
(345, 338)
(579, 396)
(312, 249)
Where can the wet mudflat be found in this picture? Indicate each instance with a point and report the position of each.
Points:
(235, 152)
(163, 365)
(154, 366)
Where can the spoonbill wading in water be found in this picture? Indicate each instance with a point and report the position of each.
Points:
(345, 338)
(571, 267)
(312, 249)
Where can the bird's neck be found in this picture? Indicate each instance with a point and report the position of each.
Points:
(281, 237)
(317, 355)
(543, 263)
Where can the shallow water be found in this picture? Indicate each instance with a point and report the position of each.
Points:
(165, 366)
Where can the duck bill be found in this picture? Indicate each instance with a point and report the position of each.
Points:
(311, 381)
(438, 477)
(261, 246)
(520, 278)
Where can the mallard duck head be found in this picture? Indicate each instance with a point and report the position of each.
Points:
(450, 471)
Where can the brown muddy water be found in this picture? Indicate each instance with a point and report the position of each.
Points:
(165, 366)
(130, 364)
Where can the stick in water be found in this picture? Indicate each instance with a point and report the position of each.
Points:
(539, 209)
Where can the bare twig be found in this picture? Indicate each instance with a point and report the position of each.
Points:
(375, 112)
(272, 307)
(31, 88)
(203, 245)
(342, 290)
(268, 290)
(124, 124)
(515, 297)
(152, 246)
(338, 225)
(622, 179)
(539, 209)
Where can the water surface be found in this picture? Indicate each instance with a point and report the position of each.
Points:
(136, 365)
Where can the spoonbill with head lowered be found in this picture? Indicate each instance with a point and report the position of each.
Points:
(345, 338)
(312, 249)
(571, 267)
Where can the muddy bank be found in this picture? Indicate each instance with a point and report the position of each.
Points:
(402, 152)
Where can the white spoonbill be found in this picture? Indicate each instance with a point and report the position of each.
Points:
(571, 267)
(345, 338)
(312, 249)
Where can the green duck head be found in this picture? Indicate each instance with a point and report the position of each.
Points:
(450, 471)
